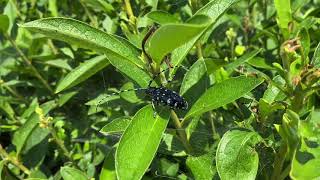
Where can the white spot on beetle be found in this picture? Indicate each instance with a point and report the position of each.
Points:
(175, 104)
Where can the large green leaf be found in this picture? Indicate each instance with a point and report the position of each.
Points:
(83, 35)
(213, 9)
(139, 143)
(82, 72)
(69, 173)
(236, 157)
(223, 93)
(306, 161)
(170, 36)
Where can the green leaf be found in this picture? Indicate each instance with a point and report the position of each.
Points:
(6, 107)
(307, 156)
(108, 169)
(316, 57)
(101, 99)
(171, 145)
(260, 62)
(69, 173)
(53, 8)
(167, 168)
(32, 107)
(130, 96)
(283, 8)
(232, 66)
(165, 39)
(83, 35)
(2, 163)
(202, 166)
(162, 17)
(82, 72)
(236, 157)
(12, 12)
(223, 93)
(115, 126)
(305, 41)
(213, 9)
(4, 23)
(59, 63)
(21, 135)
(131, 70)
(64, 98)
(139, 143)
(195, 73)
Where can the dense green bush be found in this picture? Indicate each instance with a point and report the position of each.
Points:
(248, 69)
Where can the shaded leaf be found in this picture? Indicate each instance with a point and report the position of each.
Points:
(4, 21)
(195, 73)
(69, 173)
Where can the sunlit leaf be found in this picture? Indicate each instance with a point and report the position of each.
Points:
(82, 72)
(236, 157)
(139, 143)
(223, 93)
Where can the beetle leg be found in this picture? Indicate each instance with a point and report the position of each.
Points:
(154, 109)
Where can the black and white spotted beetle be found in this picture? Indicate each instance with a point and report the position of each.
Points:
(159, 95)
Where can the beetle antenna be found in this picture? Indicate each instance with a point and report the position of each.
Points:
(116, 93)
(155, 76)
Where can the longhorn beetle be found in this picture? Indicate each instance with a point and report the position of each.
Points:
(158, 95)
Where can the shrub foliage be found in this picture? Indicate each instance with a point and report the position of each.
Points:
(249, 71)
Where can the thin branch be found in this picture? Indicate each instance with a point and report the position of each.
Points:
(13, 160)
(26, 60)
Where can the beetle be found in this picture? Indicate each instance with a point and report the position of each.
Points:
(158, 95)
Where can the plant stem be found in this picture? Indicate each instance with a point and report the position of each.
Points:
(13, 160)
(131, 16)
(26, 60)
(94, 22)
(60, 143)
(13, 92)
(285, 172)
(199, 50)
(213, 127)
(279, 160)
(181, 132)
